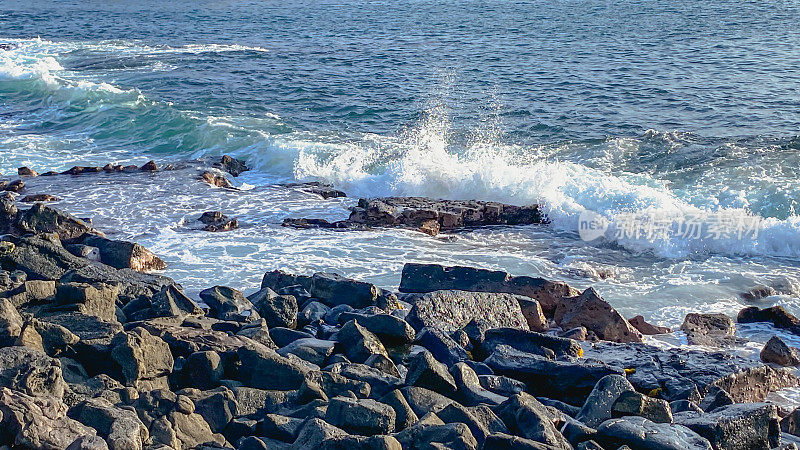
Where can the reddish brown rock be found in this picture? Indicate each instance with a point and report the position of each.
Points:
(216, 221)
(645, 328)
(216, 180)
(776, 351)
(27, 172)
(40, 198)
(149, 166)
(591, 311)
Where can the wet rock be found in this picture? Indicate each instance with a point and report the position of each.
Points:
(305, 224)
(216, 180)
(44, 219)
(390, 330)
(451, 310)
(364, 416)
(646, 328)
(124, 254)
(277, 310)
(98, 299)
(216, 221)
(640, 433)
(598, 406)
(775, 315)
(527, 417)
(560, 380)
(145, 359)
(420, 278)
(231, 165)
(632, 403)
(149, 166)
(589, 310)
(228, 304)
(776, 351)
(679, 374)
(333, 289)
(27, 172)
(325, 191)
(413, 212)
(426, 372)
(358, 342)
(38, 422)
(31, 372)
(709, 329)
(121, 428)
(14, 186)
(285, 373)
(132, 285)
(33, 198)
(736, 427)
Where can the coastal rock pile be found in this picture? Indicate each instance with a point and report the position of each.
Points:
(95, 352)
(428, 215)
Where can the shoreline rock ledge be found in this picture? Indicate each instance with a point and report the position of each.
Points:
(427, 215)
(96, 353)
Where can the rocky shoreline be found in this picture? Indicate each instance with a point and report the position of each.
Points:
(96, 351)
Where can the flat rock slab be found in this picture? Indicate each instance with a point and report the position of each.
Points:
(687, 374)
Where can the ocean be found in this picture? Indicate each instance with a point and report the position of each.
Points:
(689, 109)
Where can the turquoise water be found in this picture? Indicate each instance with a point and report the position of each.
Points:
(689, 109)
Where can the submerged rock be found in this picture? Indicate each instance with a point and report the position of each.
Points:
(231, 165)
(216, 180)
(216, 221)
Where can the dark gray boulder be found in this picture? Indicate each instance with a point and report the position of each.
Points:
(680, 373)
(202, 370)
(313, 432)
(315, 351)
(282, 428)
(404, 415)
(527, 417)
(504, 441)
(736, 427)
(451, 435)
(228, 304)
(433, 277)
(41, 218)
(333, 289)
(390, 330)
(171, 301)
(441, 346)
(361, 416)
(640, 433)
(10, 323)
(560, 380)
(470, 392)
(277, 310)
(713, 330)
(40, 259)
(530, 342)
(120, 427)
(96, 299)
(450, 310)
(598, 406)
(217, 406)
(422, 401)
(145, 359)
(426, 372)
(359, 343)
(264, 368)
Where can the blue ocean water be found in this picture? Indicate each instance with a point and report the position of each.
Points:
(636, 106)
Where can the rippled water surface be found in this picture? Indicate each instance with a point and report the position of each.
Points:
(690, 109)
